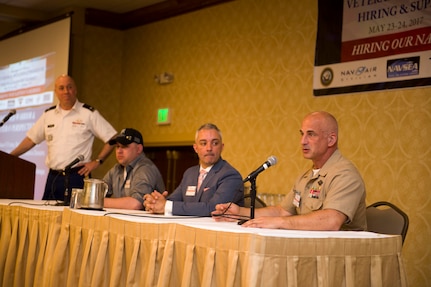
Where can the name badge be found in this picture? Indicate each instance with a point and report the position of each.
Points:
(191, 190)
(127, 184)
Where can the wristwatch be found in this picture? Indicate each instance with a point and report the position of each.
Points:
(100, 161)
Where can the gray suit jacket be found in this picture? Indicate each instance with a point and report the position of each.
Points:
(222, 184)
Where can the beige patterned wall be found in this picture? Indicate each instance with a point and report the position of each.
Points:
(99, 75)
(247, 66)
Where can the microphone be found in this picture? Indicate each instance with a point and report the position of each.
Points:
(7, 117)
(75, 161)
(272, 160)
(66, 179)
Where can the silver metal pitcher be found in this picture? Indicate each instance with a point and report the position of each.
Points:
(93, 194)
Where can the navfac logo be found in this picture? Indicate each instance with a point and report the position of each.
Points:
(403, 67)
(326, 77)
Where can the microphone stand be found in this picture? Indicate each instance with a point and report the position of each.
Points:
(252, 196)
(252, 200)
(66, 187)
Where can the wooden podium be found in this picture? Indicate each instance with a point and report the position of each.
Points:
(17, 177)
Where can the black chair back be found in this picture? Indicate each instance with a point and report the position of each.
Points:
(386, 218)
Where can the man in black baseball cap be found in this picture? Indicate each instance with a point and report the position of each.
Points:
(134, 175)
(127, 136)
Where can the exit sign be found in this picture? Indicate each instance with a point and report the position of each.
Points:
(163, 116)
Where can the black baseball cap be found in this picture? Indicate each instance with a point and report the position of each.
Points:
(127, 136)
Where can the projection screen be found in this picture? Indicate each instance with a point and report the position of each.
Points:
(29, 64)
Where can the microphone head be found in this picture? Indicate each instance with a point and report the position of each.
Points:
(12, 112)
(80, 157)
(272, 160)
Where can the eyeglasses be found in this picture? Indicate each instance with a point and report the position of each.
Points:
(240, 218)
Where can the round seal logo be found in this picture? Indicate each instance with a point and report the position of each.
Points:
(326, 76)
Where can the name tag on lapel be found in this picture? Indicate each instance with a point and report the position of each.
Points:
(191, 190)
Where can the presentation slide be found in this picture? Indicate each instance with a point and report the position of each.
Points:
(29, 64)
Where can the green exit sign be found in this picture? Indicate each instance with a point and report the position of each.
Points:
(163, 116)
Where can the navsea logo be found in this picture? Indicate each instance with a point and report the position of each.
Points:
(326, 77)
(403, 67)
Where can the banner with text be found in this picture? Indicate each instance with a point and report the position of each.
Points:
(368, 45)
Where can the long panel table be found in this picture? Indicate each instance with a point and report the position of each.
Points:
(45, 245)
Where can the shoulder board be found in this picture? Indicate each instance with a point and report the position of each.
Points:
(50, 108)
(89, 107)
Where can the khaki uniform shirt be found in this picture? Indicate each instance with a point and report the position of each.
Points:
(337, 185)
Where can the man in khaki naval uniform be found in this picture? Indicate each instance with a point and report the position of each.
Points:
(329, 196)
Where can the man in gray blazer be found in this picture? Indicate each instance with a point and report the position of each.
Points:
(203, 186)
